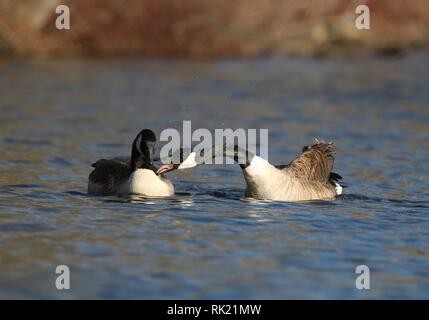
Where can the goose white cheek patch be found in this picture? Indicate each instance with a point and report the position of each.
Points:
(189, 162)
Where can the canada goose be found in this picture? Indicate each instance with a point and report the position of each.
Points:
(119, 176)
(308, 177)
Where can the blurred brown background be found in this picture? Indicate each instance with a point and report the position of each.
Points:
(210, 28)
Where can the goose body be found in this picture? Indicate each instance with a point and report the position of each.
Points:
(146, 182)
(308, 177)
(265, 181)
(130, 176)
(113, 177)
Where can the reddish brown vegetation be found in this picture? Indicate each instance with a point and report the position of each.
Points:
(210, 28)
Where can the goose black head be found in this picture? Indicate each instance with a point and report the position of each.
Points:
(143, 150)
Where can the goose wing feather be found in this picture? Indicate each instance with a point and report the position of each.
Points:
(110, 173)
(314, 163)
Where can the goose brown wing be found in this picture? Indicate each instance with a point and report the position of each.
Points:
(314, 163)
(110, 172)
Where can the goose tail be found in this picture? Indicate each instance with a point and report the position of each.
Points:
(338, 189)
(334, 179)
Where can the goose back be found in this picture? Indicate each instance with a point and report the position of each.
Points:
(311, 171)
(108, 175)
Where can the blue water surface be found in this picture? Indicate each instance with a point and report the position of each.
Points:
(207, 242)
